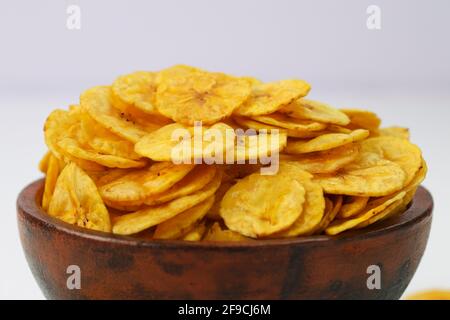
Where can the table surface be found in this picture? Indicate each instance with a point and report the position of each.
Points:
(23, 144)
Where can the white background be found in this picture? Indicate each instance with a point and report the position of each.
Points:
(401, 71)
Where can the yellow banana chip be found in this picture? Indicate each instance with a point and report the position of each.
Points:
(377, 207)
(53, 169)
(137, 89)
(97, 102)
(177, 226)
(400, 151)
(43, 163)
(141, 184)
(216, 233)
(314, 206)
(362, 119)
(187, 95)
(352, 206)
(196, 234)
(369, 176)
(214, 211)
(76, 200)
(269, 97)
(331, 210)
(325, 142)
(398, 132)
(283, 121)
(258, 205)
(328, 161)
(316, 111)
(151, 216)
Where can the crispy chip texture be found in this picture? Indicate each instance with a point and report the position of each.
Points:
(325, 142)
(98, 103)
(140, 184)
(269, 97)
(216, 233)
(282, 121)
(187, 95)
(177, 226)
(362, 119)
(53, 170)
(246, 207)
(196, 233)
(400, 151)
(148, 217)
(314, 206)
(316, 111)
(137, 89)
(76, 200)
(369, 176)
(352, 206)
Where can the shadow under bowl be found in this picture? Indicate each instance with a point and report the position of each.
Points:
(314, 267)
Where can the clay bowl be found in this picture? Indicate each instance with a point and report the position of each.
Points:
(317, 267)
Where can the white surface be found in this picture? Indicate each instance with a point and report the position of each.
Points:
(402, 72)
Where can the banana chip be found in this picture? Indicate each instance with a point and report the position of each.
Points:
(151, 216)
(247, 207)
(316, 111)
(329, 161)
(369, 176)
(283, 121)
(362, 119)
(53, 170)
(137, 89)
(400, 151)
(216, 233)
(269, 97)
(352, 206)
(196, 233)
(325, 142)
(76, 200)
(314, 206)
(398, 132)
(43, 163)
(141, 184)
(187, 95)
(177, 226)
(378, 207)
(331, 210)
(97, 102)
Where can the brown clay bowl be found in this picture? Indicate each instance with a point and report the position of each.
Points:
(317, 267)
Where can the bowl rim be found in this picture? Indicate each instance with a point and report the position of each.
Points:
(420, 208)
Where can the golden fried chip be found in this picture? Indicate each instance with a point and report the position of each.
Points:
(369, 176)
(400, 151)
(43, 163)
(316, 111)
(314, 206)
(269, 97)
(73, 148)
(398, 132)
(137, 89)
(141, 184)
(61, 124)
(97, 102)
(177, 226)
(216, 233)
(53, 170)
(187, 95)
(196, 234)
(331, 211)
(103, 141)
(177, 143)
(143, 219)
(260, 146)
(214, 211)
(261, 205)
(328, 161)
(352, 206)
(362, 119)
(76, 200)
(374, 208)
(325, 142)
(283, 121)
